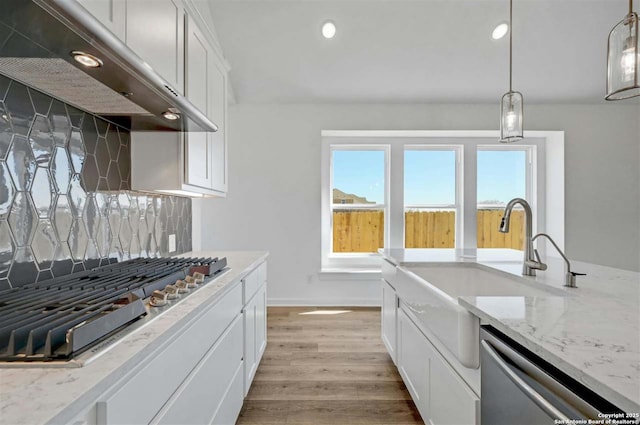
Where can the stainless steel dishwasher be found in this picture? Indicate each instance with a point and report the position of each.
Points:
(518, 387)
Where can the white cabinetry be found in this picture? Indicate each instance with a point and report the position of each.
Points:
(169, 40)
(441, 396)
(198, 376)
(413, 362)
(156, 382)
(451, 401)
(111, 13)
(255, 335)
(199, 397)
(389, 318)
(218, 113)
(152, 30)
(155, 32)
(206, 153)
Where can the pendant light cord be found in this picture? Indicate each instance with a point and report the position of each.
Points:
(511, 43)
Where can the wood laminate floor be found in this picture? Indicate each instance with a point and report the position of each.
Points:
(326, 369)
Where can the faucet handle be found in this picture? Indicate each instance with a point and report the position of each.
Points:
(541, 266)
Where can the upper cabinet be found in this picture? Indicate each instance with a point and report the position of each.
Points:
(166, 35)
(152, 30)
(112, 14)
(218, 113)
(155, 32)
(206, 81)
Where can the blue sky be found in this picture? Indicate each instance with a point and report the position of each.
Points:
(430, 175)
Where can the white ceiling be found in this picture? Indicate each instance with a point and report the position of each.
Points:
(433, 51)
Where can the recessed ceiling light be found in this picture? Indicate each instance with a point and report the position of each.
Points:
(171, 115)
(86, 59)
(328, 29)
(500, 31)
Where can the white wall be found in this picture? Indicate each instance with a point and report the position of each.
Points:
(274, 184)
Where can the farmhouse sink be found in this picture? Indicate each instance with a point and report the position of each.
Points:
(431, 294)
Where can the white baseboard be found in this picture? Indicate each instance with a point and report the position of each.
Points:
(315, 302)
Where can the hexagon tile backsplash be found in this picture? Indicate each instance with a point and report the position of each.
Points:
(65, 203)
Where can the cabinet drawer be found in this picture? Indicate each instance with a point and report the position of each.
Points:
(230, 408)
(144, 393)
(251, 285)
(203, 392)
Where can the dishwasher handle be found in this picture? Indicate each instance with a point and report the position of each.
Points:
(538, 399)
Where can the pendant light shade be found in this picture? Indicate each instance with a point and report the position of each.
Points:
(511, 106)
(511, 117)
(623, 58)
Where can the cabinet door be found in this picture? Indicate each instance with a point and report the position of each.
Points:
(413, 362)
(198, 62)
(198, 145)
(261, 323)
(389, 318)
(217, 112)
(198, 159)
(111, 13)
(250, 348)
(453, 403)
(203, 393)
(155, 32)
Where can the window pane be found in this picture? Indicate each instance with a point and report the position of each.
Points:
(358, 230)
(429, 228)
(429, 179)
(358, 180)
(501, 177)
(358, 177)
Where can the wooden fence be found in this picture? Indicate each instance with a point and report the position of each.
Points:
(363, 231)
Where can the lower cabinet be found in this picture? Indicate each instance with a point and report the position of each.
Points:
(202, 375)
(202, 394)
(441, 396)
(389, 318)
(255, 324)
(413, 362)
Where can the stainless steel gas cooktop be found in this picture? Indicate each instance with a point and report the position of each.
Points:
(57, 321)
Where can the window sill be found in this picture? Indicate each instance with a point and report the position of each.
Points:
(346, 273)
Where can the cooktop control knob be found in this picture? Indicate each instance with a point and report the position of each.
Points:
(191, 282)
(182, 286)
(158, 298)
(172, 291)
(199, 277)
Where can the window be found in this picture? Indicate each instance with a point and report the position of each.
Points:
(503, 174)
(358, 199)
(430, 196)
(432, 189)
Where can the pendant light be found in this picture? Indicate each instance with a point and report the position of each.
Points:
(511, 115)
(623, 58)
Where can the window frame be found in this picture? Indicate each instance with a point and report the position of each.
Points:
(532, 166)
(338, 260)
(548, 203)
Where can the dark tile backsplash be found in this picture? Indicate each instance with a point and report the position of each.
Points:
(65, 199)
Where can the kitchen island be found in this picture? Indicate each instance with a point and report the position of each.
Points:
(39, 394)
(591, 333)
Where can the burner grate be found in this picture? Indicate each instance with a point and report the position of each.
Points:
(61, 317)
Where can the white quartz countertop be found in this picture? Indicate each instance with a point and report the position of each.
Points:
(592, 334)
(39, 395)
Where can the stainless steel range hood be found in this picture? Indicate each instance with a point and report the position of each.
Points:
(37, 37)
